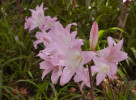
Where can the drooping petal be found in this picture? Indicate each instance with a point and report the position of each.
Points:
(81, 75)
(87, 56)
(112, 69)
(99, 78)
(99, 63)
(47, 68)
(119, 56)
(66, 75)
(81, 86)
(56, 74)
(69, 26)
(95, 69)
(104, 52)
(45, 72)
(94, 36)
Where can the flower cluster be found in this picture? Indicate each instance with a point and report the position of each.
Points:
(63, 55)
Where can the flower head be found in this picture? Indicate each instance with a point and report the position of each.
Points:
(113, 53)
(107, 60)
(37, 19)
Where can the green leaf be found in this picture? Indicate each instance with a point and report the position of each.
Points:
(129, 88)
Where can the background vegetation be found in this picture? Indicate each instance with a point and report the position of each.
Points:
(20, 76)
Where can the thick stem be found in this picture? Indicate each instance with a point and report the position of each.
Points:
(111, 88)
(81, 92)
(91, 81)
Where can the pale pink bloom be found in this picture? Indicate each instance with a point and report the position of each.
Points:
(50, 64)
(52, 52)
(74, 60)
(49, 22)
(48, 67)
(107, 60)
(112, 53)
(71, 59)
(63, 37)
(37, 19)
(82, 75)
(94, 36)
(62, 52)
(103, 69)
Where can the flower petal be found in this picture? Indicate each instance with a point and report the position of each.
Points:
(110, 41)
(87, 56)
(55, 74)
(99, 78)
(66, 75)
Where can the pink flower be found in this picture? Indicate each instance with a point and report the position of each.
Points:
(49, 23)
(113, 53)
(63, 37)
(74, 60)
(37, 19)
(48, 67)
(103, 69)
(65, 51)
(107, 60)
(94, 36)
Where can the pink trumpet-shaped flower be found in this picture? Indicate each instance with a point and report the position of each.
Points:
(112, 53)
(103, 69)
(63, 50)
(74, 60)
(94, 36)
(107, 60)
(49, 23)
(48, 67)
(37, 19)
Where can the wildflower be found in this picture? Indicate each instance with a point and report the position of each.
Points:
(112, 53)
(107, 60)
(73, 61)
(48, 67)
(49, 22)
(63, 51)
(103, 69)
(37, 19)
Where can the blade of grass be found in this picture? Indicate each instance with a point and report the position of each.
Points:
(1, 84)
